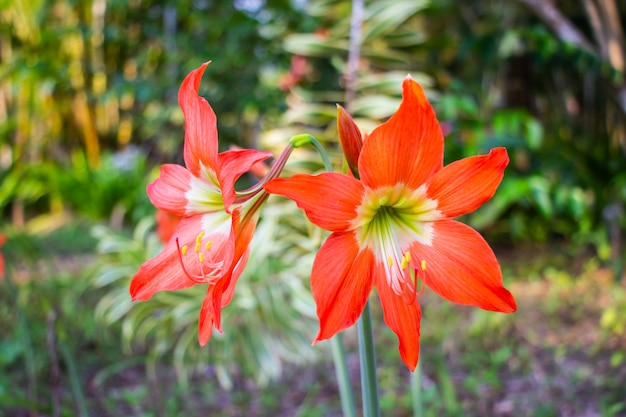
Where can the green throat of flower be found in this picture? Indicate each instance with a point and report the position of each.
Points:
(390, 221)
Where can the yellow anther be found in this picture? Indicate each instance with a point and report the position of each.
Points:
(199, 237)
(197, 247)
(201, 257)
(389, 260)
(423, 264)
(208, 245)
(184, 250)
(406, 259)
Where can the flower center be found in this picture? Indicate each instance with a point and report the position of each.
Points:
(389, 221)
(204, 194)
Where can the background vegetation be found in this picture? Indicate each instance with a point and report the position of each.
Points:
(88, 111)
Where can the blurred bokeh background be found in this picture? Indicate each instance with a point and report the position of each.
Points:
(88, 111)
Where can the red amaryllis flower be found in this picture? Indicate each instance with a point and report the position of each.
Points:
(392, 227)
(210, 244)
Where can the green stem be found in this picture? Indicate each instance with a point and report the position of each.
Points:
(339, 353)
(416, 391)
(343, 378)
(304, 139)
(369, 383)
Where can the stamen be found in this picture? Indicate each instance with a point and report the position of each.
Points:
(406, 259)
(423, 264)
(389, 261)
(203, 278)
(199, 237)
(208, 245)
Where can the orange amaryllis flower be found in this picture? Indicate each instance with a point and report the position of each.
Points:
(210, 244)
(392, 227)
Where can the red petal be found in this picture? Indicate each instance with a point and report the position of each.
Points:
(341, 282)
(463, 186)
(329, 199)
(350, 138)
(232, 164)
(207, 318)
(402, 318)
(165, 271)
(408, 148)
(168, 191)
(218, 296)
(200, 124)
(461, 267)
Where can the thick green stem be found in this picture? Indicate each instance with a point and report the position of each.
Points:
(339, 353)
(343, 378)
(369, 382)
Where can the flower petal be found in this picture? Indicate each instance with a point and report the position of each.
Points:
(207, 318)
(232, 164)
(168, 191)
(218, 296)
(165, 272)
(200, 124)
(329, 199)
(341, 283)
(350, 138)
(407, 148)
(463, 186)
(461, 267)
(401, 317)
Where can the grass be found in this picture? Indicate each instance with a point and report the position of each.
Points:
(562, 354)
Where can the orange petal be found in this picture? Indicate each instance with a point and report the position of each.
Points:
(341, 283)
(408, 148)
(461, 267)
(232, 164)
(463, 186)
(402, 318)
(165, 271)
(200, 124)
(328, 199)
(168, 192)
(166, 225)
(218, 296)
(350, 138)
(207, 316)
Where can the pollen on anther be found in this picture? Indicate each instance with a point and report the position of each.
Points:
(208, 245)
(199, 237)
(423, 264)
(201, 257)
(389, 260)
(197, 247)
(406, 260)
(184, 250)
